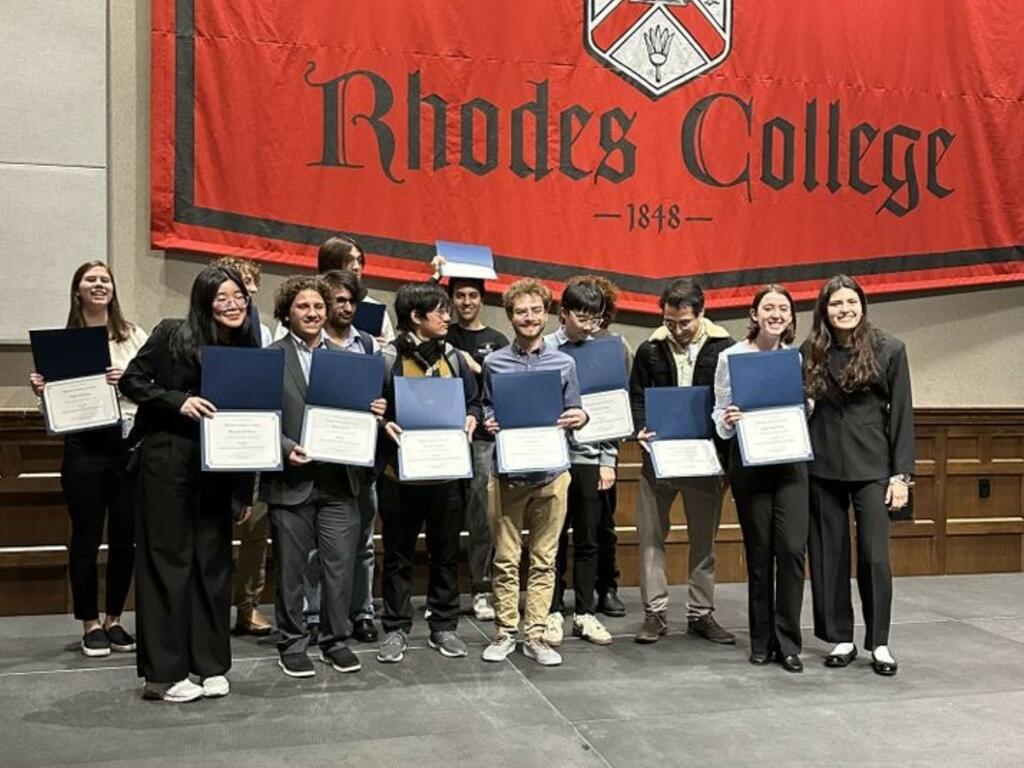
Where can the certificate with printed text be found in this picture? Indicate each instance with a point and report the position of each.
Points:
(79, 404)
(611, 417)
(339, 436)
(774, 436)
(242, 441)
(531, 449)
(434, 454)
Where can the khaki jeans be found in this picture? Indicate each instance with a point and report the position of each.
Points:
(250, 571)
(541, 510)
(702, 500)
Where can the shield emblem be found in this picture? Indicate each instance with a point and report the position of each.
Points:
(659, 45)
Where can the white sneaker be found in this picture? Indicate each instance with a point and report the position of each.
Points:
(587, 626)
(553, 629)
(173, 693)
(215, 687)
(482, 608)
(542, 653)
(499, 649)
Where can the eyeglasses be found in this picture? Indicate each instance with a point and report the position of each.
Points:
(529, 312)
(587, 321)
(340, 300)
(679, 325)
(223, 302)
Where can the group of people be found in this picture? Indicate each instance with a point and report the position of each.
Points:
(173, 524)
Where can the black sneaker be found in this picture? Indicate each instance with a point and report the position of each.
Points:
(296, 665)
(95, 643)
(120, 640)
(341, 658)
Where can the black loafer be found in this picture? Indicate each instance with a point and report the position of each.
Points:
(837, 660)
(791, 663)
(610, 605)
(364, 631)
(883, 668)
(760, 658)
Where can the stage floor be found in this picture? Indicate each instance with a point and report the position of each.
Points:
(958, 699)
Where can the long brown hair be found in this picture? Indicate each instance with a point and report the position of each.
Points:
(118, 329)
(862, 367)
(752, 328)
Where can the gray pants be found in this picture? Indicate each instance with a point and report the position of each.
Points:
(702, 500)
(362, 577)
(480, 492)
(333, 525)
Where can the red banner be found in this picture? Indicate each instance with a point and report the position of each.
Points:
(739, 142)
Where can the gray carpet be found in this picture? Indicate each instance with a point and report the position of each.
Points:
(958, 699)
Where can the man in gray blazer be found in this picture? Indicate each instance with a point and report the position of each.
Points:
(312, 504)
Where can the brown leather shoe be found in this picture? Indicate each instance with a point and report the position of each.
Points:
(251, 622)
(709, 629)
(654, 628)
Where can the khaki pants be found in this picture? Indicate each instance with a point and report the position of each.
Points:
(702, 500)
(541, 510)
(251, 572)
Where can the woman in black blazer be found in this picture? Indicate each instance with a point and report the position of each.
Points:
(862, 431)
(183, 559)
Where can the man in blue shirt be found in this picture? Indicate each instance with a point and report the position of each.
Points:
(536, 500)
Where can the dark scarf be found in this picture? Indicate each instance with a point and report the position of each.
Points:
(426, 353)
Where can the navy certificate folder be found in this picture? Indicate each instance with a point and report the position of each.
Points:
(432, 402)
(679, 413)
(600, 364)
(369, 317)
(531, 399)
(67, 353)
(346, 380)
(766, 379)
(243, 378)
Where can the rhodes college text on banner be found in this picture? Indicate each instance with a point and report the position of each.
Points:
(733, 140)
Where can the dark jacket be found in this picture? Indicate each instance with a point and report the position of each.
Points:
(293, 485)
(160, 384)
(654, 366)
(867, 435)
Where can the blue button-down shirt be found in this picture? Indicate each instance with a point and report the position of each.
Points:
(512, 359)
(305, 353)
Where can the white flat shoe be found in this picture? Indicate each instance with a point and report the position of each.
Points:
(215, 687)
(173, 693)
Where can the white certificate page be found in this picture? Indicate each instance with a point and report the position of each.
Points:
(338, 436)
(242, 441)
(774, 436)
(531, 449)
(611, 418)
(684, 458)
(74, 405)
(434, 454)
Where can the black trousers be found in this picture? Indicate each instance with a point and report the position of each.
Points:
(183, 563)
(607, 543)
(404, 510)
(771, 503)
(97, 490)
(830, 560)
(584, 516)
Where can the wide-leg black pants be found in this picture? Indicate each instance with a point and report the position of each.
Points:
(183, 562)
(772, 503)
(830, 560)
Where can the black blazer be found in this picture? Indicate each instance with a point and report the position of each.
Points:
(867, 435)
(160, 384)
(293, 485)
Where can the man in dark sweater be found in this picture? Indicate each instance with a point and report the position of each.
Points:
(682, 352)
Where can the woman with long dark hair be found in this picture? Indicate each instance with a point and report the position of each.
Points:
(862, 431)
(93, 475)
(183, 567)
(771, 501)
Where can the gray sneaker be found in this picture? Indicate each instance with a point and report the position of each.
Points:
(392, 650)
(448, 643)
(542, 653)
(499, 649)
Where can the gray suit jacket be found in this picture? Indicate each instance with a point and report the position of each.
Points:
(295, 484)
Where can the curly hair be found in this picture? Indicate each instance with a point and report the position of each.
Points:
(247, 268)
(292, 287)
(525, 287)
(862, 367)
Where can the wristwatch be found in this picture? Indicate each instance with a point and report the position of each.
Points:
(904, 478)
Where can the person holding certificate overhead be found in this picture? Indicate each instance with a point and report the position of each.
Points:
(534, 499)
(94, 475)
(406, 506)
(592, 470)
(683, 352)
(312, 503)
(771, 500)
(862, 430)
(183, 555)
